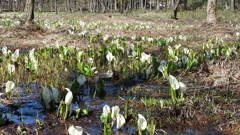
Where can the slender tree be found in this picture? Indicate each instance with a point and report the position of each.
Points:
(226, 4)
(233, 5)
(185, 4)
(211, 12)
(56, 6)
(0, 6)
(40, 5)
(175, 9)
(29, 10)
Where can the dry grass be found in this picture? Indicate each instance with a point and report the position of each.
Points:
(191, 24)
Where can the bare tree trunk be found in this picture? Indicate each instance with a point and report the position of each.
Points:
(167, 4)
(66, 6)
(211, 11)
(0, 6)
(121, 6)
(141, 4)
(150, 4)
(145, 4)
(175, 9)
(29, 9)
(51, 4)
(13, 6)
(226, 4)
(56, 7)
(75, 5)
(80, 6)
(9, 5)
(102, 6)
(90, 5)
(115, 5)
(70, 5)
(233, 5)
(172, 3)
(22, 5)
(157, 6)
(41, 5)
(185, 4)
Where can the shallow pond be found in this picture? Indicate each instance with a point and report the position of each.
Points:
(26, 107)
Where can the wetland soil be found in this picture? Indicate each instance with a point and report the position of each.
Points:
(197, 31)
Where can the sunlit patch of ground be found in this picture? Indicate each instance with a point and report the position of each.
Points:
(190, 24)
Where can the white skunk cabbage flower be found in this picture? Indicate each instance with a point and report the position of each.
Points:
(120, 121)
(35, 64)
(70, 32)
(182, 86)
(75, 130)
(109, 74)
(10, 85)
(68, 97)
(81, 80)
(83, 33)
(170, 51)
(186, 51)
(120, 48)
(15, 55)
(105, 37)
(68, 103)
(5, 51)
(16, 23)
(33, 59)
(98, 31)
(131, 46)
(149, 71)
(134, 53)
(55, 95)
(110, 57)
(173, 82)
(94, 70)
(90, 60)
(79, 55)
(65, 50)
(150, 39)
(237, 34)
(106, 111)
(145, 58)
(163, 62)
(11, 68)
(81, 23)
(162, 66)
(116, 41)
(46, 96)
(142, 122)
(134, 37)
(184, 59)
(175, 59)
(181, 37)
(143, 38)
(115, 112)
(32, 54)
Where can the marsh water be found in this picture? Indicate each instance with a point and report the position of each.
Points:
(26, 108)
